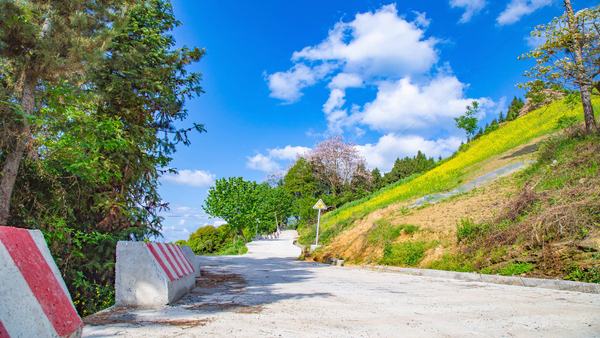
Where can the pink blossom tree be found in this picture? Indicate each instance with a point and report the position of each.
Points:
(337, 162)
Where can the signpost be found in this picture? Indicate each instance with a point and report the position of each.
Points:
(319, 206)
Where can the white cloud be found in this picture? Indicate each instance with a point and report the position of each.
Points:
(219, 223)
(383, 50)
(196, 178)
(373, 44)
(516, 9)
(288, 152)
(268, 164)
(336, 117)
(182, 221)
(389, 147)
(402, 105)
(336, 100)
(421, 20)
(286, 86)
(262, 163)
(472, 7)
(344, 80)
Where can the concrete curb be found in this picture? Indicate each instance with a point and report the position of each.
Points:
(494, 279)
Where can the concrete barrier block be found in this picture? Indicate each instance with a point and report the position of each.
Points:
(151, 274)
(191, 256)
(34, 300)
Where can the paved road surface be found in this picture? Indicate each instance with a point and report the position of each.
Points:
(267, 293)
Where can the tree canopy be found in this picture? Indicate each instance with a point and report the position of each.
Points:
(468, 121)
(569, 57)
(100, 133)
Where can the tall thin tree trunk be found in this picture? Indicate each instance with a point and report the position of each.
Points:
(586, 97)
(588, 110)
(241, 232)
(13, 159)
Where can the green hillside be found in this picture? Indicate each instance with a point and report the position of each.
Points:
(454, 171)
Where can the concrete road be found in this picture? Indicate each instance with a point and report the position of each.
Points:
(267, 293)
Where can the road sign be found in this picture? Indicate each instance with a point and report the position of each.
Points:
(320, 205)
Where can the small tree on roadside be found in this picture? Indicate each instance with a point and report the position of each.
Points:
(570, 57)
(235, 201)
(469, 120)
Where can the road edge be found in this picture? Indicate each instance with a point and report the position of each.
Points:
(555, 284)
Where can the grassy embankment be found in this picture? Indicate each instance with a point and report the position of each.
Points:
(392, 242)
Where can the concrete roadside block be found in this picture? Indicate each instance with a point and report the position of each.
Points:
(151, 274)
(34, 300)
(191, 256)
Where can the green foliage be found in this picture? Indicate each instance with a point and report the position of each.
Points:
(514, 109)
(376, 179)
(447, 173)
(210, 240)
(515, 268)
(384, 232)
(568, 59)
(565, 122)
(452, 262)
(588, 275)
(491, 128)
(407, 253)
(466, 229)
(276, 206)
(407, 167)
(237, 248)
(236, 201)
(469, 120)
(302, 185)
(100, 142)
(248, 207)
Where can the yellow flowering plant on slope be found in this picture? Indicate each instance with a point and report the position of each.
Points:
(520, 131)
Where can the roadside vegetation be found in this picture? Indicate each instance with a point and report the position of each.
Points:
(211, 240)
(551, 228)
(451, 173)
(90, 93)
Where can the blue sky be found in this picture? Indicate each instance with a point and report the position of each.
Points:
(282, 75)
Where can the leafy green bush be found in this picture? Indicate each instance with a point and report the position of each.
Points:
(466, 229)
(515, 269)
(408, 253)
(383, 231)
(224, 240)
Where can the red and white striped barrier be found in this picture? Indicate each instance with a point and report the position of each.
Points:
(34, 300)
(152, 274)
(192, 258)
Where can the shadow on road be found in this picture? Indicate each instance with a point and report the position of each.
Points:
(238, 284)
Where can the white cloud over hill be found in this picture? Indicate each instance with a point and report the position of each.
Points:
(416, 99)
